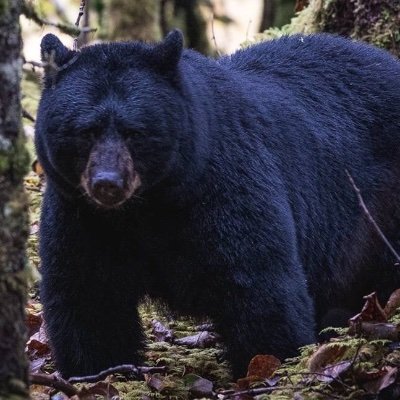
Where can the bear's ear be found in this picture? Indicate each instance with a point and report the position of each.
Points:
(52, 50)
(169, 51)
(55, 57)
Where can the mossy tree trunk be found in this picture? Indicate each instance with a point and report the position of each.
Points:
(376, 22)
(13, 210)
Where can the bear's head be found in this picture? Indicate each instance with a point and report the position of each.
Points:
(110, 117)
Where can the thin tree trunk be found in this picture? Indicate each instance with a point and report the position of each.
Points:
(268, 15)
(13, 210)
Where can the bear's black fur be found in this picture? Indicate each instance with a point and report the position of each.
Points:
(217, 186)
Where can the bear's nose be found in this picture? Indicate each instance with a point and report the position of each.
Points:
(108, 188)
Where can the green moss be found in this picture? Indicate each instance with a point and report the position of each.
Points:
(4, 4)
(15, 159)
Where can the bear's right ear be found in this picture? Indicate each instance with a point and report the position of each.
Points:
(168, 52)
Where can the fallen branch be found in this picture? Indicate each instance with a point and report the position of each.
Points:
(121, 369)
(54, 382)
(227, 394)
(371, 219)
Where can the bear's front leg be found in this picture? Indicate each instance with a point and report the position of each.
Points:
(265, 314)
(88, 293)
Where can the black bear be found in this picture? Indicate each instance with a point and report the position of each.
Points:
(217, 186)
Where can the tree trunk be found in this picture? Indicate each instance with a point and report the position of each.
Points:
(13, 210)
(376, 22)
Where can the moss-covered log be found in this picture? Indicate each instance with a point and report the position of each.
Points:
(13, 210)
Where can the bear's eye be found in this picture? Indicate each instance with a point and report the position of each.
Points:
(89, 133)
(133, 133)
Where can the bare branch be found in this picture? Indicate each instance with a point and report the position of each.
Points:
(26, 114)
(371, 219)
(29, 11)
(122, 369)
(213, 35)
(54, 382)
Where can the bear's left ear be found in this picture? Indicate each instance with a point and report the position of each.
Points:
(55, 57)
(169, 51)
(53, 50)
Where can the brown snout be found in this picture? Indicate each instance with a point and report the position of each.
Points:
(108, 188)
(109, 177)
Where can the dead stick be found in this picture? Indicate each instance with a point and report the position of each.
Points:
(54, 382)
(122, 369)
(255, 392)
(371, 219)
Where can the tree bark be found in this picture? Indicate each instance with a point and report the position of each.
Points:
(13, 210)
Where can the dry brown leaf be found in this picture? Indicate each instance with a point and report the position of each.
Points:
(155, 382)
(245, 383)
(33, 322)
(386, 379)
(371, 311)
(198, 386)
(263, 365)
(104, 389)
(201, 340)
(393, 303)
(331, 372)
(327, 354)
(37, 168)
(161, 332)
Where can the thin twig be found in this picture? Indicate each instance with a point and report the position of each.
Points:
(371, 219)
(78, 20)
(121, 369)
(80, 14)
(256, 391)
(248, 30)
(29, 11)
(54, 382)
(26, 114)
(213, 35)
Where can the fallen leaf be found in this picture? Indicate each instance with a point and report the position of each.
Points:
(248, 381)
(198, 386)
(36, 365)
(327, 354)
(331, 372)
(33, 321)
(161, 332)
(371, 311)
(38, 344)
(104, 389)
(392, 304)
(156, 382)
(202, 340)
(263, 366)
(387, 379)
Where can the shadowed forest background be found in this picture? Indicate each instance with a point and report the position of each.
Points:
(184, 358)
